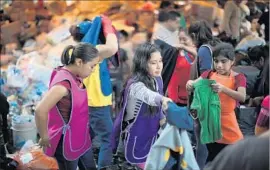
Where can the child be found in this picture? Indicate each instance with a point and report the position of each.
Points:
(231, 87)
(100, 33)
(177, 61)
(141, 115)
(62, 115)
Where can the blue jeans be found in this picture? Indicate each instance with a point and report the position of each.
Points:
(85, 162)
(102, 125)
(201, 149)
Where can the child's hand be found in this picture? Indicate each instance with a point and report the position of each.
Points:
(44, 142)
(189, 85)
(165, 101)
(217, 87)
(179, 46)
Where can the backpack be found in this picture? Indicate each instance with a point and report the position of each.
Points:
(251, 73)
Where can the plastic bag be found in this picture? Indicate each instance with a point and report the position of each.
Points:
(15, 77)
(31, 157)
(59, 34)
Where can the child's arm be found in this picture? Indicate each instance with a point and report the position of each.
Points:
(111, 46)
(239, 94)
(48, 101)
(190, 49)
(190, 83)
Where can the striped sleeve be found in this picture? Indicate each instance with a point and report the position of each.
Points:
(141, 92)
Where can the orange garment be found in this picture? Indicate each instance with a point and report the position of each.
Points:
(231, 132)
(40, 161)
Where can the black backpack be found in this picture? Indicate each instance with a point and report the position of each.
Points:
(251, 73)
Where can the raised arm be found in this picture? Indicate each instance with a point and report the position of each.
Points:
(111, 45)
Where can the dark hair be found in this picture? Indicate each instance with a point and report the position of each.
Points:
(255, 53)
(165, 4)
(202, 33)
(140, 70)
(75, 33)
(84, 51)
(225, 50)
(166, 16)
(124, 33)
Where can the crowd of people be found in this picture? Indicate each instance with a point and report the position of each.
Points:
(201, 77)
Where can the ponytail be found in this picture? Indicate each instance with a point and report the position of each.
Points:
(67, 55)
(84, 51)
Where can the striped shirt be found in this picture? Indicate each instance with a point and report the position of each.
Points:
(139, 94)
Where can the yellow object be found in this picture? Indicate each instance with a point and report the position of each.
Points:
(93, 87)
(167, 155)
(184, 164)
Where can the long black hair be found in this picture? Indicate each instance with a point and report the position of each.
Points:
(140, 69)
(255, 53)
(201, 32)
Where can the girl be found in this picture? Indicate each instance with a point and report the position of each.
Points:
(177, 60)
(181, 73)
(202, 36)
(141, 114)
(100, 33)
(62, 115)
(231, 87)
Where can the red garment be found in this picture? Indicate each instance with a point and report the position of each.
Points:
(64, 105)
(177, 86)
(263, 118)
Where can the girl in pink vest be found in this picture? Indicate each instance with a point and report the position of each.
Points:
(62, 115)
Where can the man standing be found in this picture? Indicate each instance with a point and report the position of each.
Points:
(167, 29)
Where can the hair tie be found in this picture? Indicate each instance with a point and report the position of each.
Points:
(70, 52)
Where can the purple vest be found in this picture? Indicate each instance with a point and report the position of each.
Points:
(142, 132)
(76, 134)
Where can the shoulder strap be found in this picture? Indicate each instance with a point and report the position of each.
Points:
(211, 52)
(187, 57)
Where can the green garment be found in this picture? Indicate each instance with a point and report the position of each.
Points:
(207, 104)
(183, 23)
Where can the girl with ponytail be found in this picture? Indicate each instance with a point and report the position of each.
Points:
(62, 115)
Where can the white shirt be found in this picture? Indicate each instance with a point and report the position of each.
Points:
(162, 33)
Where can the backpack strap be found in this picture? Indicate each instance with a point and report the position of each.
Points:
(188, 58)
(211, 52)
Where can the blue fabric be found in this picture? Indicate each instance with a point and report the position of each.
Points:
(92, 31)
(101, 123)
(201, 149)
(105, 79)
(84, 26)
(85, 162)
(171, 138)
(205, 59)
(179, 116)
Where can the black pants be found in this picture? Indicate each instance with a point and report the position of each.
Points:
(214, 149)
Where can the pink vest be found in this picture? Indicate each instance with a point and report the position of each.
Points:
(76, 134)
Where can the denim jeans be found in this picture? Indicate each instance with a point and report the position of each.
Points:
(201, 149)
(101, 124)
(85, 162)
